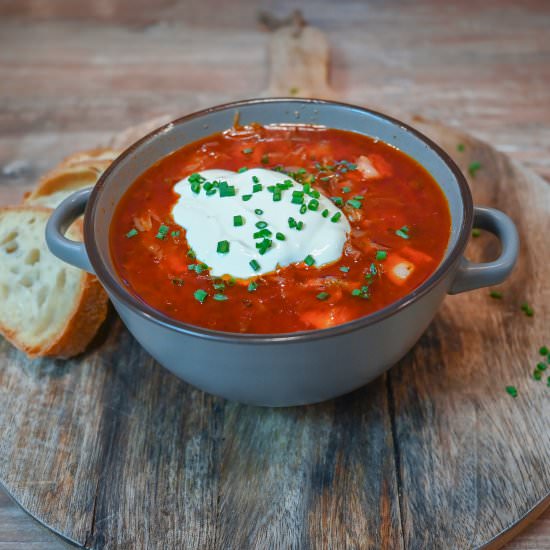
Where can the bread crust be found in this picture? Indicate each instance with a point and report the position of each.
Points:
(88, 313)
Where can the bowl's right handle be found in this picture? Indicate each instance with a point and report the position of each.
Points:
(472, 275)
(63, 216)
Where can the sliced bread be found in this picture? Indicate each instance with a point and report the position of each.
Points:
(47, 308)
(75, 172)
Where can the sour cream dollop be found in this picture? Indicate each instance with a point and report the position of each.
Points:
(209, 219)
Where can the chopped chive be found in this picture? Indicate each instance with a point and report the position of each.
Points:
(247, 151)
(460, 147)
(252, 286)
(495, 294)
(544, 351)
(373, 269)
(231, 281)
(403, 232)
(512, 390)
(200, 295)
(473, 168)
(220, 297)
(219, 286)
(257, 187)
(238, 221)
(162, 232)
(356, 292)
(527, 309)
(537, 374)
(254, 265)
(476, 232)
(260, 224)
(131, 233)
(322, 295)
(381, 255)
(227, 191)
(303, 209)
(338, 201)
(354, 203)
(191, 253)
(262, 233)
(199, 268)
(336, 217)
(299, 226)
(313, 204)
(259, 212)
(297, 199)
(309, 260)
(264, 246)
(277, 196)
(346, 189)
(246, 197)
(265, 159)
(291, 222)
(344, 269)
(280, 236)
(175, 233)
(325, 213)
(255, 179)
(242, 169)
(542, 366)
(223, 247)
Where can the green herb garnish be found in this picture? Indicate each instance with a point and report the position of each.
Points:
(344, 269)
(162, 232)
(220, 297)
(544, 351)
(254, 265)
(512, 390)
(238, 221)
(252, 286)
(403, 232)
(258, 211)
(257, 187)
(381, 255)
(131, 233)
(460, 147)
(265, 159)
(473, 168)
(200, 295)
(476, 232)
(246, 197)
(280, 236)
(336, 217)
(247, 151)
(309, 260)
(322, 295)
(495, 294)
(242, 169)
(223, 247)
(527, 309)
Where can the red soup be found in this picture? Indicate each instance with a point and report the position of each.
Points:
(279, 229)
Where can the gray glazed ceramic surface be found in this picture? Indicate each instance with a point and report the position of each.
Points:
(301, 367)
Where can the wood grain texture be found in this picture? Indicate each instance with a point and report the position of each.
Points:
(114, 452)
(374, 469)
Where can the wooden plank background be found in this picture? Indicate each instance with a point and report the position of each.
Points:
(73, 73)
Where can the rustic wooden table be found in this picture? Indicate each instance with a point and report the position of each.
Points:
(73, 74)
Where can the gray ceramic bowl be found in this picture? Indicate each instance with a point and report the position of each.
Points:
(302, 367)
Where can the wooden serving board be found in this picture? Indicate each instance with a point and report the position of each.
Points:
(112, 451)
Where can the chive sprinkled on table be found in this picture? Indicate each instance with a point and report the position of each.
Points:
(512, 390)
(495, 294)
(474, 168)
(476, 232)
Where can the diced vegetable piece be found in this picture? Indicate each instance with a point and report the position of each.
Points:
(324, 319)
(398, 269)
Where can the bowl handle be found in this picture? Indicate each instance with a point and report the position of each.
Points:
(63, 216)
(472, 275)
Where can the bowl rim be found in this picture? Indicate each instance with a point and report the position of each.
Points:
(145, 310)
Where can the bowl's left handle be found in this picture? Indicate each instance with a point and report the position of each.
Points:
(472, 275)
(64, 215)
